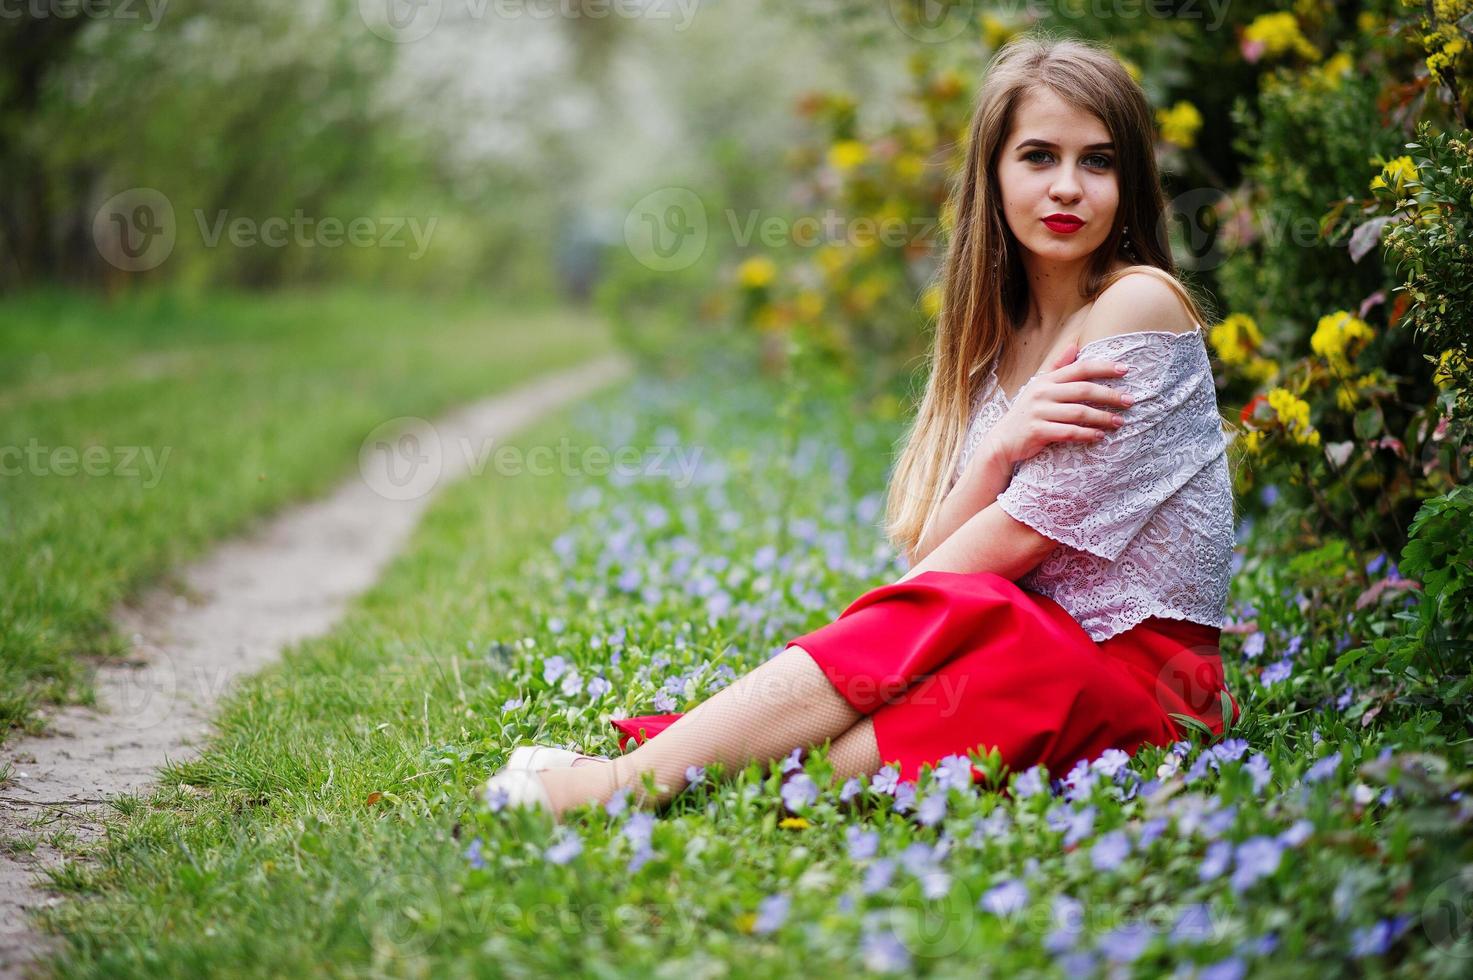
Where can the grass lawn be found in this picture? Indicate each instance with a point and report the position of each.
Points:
(336, 826)
(135, 434)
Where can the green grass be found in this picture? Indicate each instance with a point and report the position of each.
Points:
(202, 414)
(341, 830)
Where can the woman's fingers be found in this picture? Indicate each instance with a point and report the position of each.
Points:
(1089, 391)
(1070, 412)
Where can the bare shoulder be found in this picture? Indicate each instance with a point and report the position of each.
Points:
(1143, 299)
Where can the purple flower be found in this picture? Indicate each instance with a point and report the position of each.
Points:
(1295, 642)
(497, 797)
(995, 824)
(852, 787)
(877, 876)
(664, 702)
(793, 760)
(862, 843)
(917, 858)
(1068, 916)
(1376, 939)
(1150, 830)
(1219, 853)
(1110, 851)
(553, 668)
(1343, 701)
(772, 912)
(1322, 768)
(1257, 857)
(1228, 969)
(883, 953)
(798, 792)
(473, 854)
(1230, 750)
(886, 780)
(639, 827)
(954, 772)
(932, 810)
(1080, 780)
(695, 774)
(1276, 672)
(618, 803)
(1006, 898)
(1028, 783)
(1296, 834)
(1126, 943)
(1080, 825)
(598, 687)
(905, 797)
(511, 704)
(1258, 767)
(1253, 645)
(1111, 762)
(1214, 825)
(564, 850)
(572, 684)
(1193, 925)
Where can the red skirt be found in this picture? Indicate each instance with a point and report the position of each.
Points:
(947, 663)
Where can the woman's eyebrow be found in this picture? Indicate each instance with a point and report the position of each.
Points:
(1055, 146)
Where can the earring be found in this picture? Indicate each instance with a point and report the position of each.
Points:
(1125, 240)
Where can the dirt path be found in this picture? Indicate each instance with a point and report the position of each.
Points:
(288, 580)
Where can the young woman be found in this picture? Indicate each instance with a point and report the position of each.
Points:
(1063, 495)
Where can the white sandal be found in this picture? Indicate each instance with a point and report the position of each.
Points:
(522, 789)
(534, 757)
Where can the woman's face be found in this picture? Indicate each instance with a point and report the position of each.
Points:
(1057, 161)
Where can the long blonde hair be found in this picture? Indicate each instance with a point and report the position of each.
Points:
(983, 294)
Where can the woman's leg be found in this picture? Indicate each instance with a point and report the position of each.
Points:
(763, 715)
(856, 753)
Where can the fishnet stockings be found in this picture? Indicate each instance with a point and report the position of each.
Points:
(763, 715)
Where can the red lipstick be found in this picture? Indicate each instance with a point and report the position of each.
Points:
(1065, 224)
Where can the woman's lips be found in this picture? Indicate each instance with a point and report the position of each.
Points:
(1062, 226)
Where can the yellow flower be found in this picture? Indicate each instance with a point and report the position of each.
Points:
(793, 823)
(909, 167)
(931, 300)
(768, 318)
(1293, 415)
(1253, 441)
(1260, 370)
(847, 154)
(1329, 75)
(747, 921)
(1450, 360)
(994, 32)
(1395, 175)
(1367, 22)
(1179, 124)
(1279, 33)
(809, 304)
(1339, 337)
(1235, 339)
(757, 272)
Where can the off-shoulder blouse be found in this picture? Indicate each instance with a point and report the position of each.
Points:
(1143, 515)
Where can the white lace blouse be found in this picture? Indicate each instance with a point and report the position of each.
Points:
(1144, 515)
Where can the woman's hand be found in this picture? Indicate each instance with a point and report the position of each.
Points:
(1052, 408)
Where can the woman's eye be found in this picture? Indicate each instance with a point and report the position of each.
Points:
(1099, 159)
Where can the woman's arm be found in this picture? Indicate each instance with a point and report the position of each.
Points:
(989, 541)
(985, 476)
